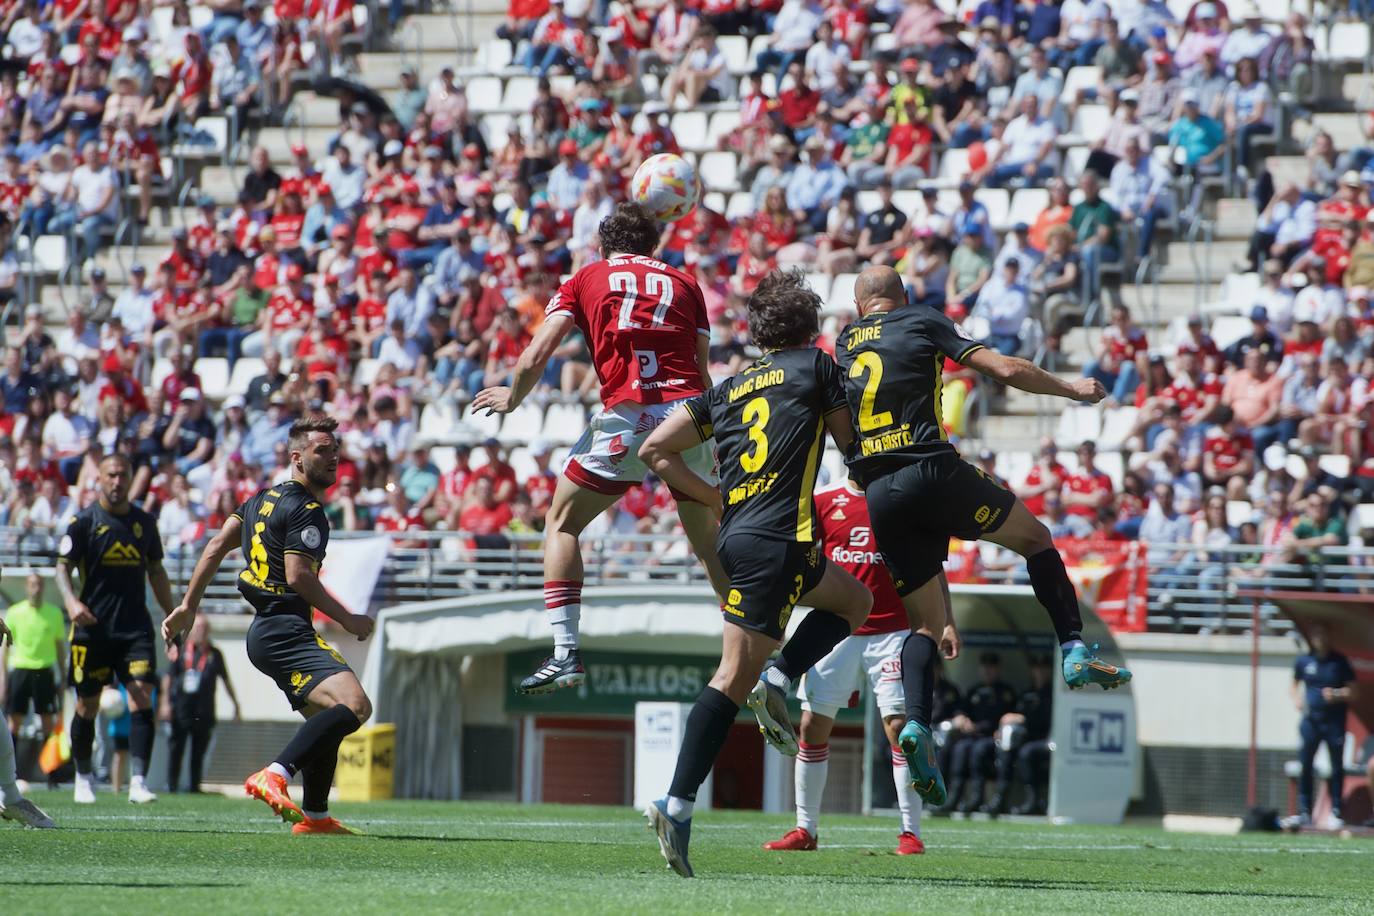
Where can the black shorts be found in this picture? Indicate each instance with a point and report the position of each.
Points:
(32, 689)
(767, 578)
(98, 660)
(917, 508)
(287, 649)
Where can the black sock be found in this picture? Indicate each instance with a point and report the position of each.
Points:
(83, 739)
(820, 632)
(316, 778)
(918, 676)
(141, 732)
(707, 725)
(1050, 581)
(332, 725)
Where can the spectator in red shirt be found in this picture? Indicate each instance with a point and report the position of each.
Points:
(182, 376)
(398, 515)
(1047, 475)
(1228, 455)
(485, 517)
(497, 471)
(453, 487)
(797, 103)
(521, 18)
(540, 485)
(1087, 489)
(908, 147)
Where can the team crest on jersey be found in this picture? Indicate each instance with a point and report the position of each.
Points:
(100, 529)
(616, 449)
(138, 530)
(310, 537)
(121, 554)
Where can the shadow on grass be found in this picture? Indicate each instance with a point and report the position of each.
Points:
(1046, 884)
(132, 885)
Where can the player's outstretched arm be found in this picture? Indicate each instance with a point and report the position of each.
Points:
(1025, 375)
(662, 452)
(179, 621)
(528, 368)
(304, 581)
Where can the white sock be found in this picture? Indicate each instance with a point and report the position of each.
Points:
(83, 779)
(813, 765)
(773, 675)
(1072, 644)
(907, 799)
(136, 782)
(563, 601)
(680, 809)
(9, 786)
(280, 770)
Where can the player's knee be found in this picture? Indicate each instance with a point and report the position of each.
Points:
(361, 706)
(858, 602)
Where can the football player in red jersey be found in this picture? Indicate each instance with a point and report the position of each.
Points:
(874, 652)
(646, 326)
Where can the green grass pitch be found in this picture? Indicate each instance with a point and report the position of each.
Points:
(218, 855)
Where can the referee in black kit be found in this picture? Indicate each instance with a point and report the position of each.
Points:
(113, 546)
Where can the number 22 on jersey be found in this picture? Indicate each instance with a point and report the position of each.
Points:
(625, 283)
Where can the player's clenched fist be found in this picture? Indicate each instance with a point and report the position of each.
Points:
(360, 625)
(1088, 390)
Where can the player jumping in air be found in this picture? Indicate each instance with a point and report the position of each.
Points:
(646, 326)
(768, 423)
(114, 546)
(13, 805)
(920, 492)
(283, 533)
(873, 653)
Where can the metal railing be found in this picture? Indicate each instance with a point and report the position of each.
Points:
(1189, 588)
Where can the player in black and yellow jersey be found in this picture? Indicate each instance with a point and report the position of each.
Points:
(283, 533)
(768, 423)
(115, 548)
(920, 492)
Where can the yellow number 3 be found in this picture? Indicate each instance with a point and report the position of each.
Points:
(756, 415)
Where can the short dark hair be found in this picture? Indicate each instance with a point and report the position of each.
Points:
(630, 229)
(121, 457)
(311, 423)
(784, 311)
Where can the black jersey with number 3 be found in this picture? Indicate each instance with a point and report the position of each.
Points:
(282, 519)
(768, 422)
(893, 363)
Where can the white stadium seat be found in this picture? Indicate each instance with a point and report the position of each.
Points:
(735, 48)
(1026, 205)
(718, 171)
(722, 124)
(523, 424)
(214, 377)
(564, 423)
(689, 127)
(1078, 79)
(741, 204)
(161, 369)
(484, 93)
(841, 296)
(245, 370)
(998, 204)
(520, 92)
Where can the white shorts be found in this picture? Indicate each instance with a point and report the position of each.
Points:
(606, 458)
(826, 688)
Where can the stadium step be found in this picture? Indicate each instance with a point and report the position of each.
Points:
(1224, 253)
(442, 33)
(1344, 128)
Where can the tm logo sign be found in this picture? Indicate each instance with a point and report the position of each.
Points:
(1097, 732)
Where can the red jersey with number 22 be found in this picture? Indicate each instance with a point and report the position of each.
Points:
(641, 319)
(848, 542)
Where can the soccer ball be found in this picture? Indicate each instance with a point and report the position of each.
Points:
(112, 703)
(666, 186)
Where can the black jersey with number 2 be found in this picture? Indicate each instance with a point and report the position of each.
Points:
(112, 553)
(281, 519)
(768, 422)
(893, 365)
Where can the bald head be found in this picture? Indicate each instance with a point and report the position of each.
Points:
(878, 287)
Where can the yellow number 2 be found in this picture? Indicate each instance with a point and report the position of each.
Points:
(756, 415)
(872, 363)
(257, 556)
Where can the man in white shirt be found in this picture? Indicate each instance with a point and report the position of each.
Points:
(26, 36)
(1248, 41)
(91, 203)
(822, 57)
(794, 29)
(66, 434)
(344, 177)
(1003, 302)
(1028, 147)
(1038, 82)
(1137, 185)
(78, 338)
(134, 306)
(1080, 31)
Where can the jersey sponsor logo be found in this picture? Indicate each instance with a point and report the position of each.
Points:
(661, 383)
(310, 536)
(121, 554)
(838, 515)
(959, 329)
(616, 450)
(731, 605)
(885, 442)
(140, 667)
(847, 557)
(299, 681)
(986, 516)
(756, 382)
(751, 488)
(101, 529)
(860, 536)
(647, 423)
(648, 363)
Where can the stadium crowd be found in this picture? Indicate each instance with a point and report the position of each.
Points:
(422, 246)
